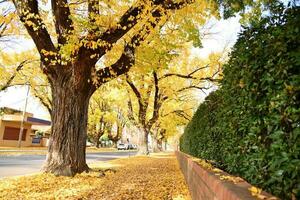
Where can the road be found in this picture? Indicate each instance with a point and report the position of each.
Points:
(27, 164)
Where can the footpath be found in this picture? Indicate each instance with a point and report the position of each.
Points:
(141, 177)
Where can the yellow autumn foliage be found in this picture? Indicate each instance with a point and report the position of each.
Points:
(152, 177)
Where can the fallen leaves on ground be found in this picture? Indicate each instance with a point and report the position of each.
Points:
(234, 179)
(257, 192)
(142, 177)
(203, 163)
(218, 172)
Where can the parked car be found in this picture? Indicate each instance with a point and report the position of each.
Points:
(122, 146)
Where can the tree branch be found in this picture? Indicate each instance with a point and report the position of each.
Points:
(34, 24)
(170, 5)
(93, 11)
(180, 113)
(132, 86)
(31, 19)
(188, 76)
(157, 103)
(126, 61)
(44, 99)
(192, 87)
(142, 101)
(142, 105)
(130, 113)
(9, 81)
(129, 19)
(63, 22)
(4, 24)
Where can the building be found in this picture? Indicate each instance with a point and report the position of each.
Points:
(10, 125)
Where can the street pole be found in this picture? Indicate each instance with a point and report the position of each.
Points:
(23, 117)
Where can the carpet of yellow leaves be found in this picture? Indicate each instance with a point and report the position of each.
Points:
(142, 177)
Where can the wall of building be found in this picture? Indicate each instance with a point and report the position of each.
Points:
(14, 143)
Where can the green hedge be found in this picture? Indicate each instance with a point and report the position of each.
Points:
(251, 126)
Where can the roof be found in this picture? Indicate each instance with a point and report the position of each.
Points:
(29, 120)
(37, 121)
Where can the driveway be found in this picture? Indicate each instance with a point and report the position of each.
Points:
(27, 164)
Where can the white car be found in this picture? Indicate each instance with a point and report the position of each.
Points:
(122, 146)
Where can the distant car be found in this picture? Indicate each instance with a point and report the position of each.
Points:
(122, 146)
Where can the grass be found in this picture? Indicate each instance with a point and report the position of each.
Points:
(142, 177)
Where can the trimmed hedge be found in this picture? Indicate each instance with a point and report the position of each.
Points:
(250, 127)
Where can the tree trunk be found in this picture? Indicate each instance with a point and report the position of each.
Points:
(98, 143)
(159, 145)
(117, 137)
(98, 136)
(165, 142)
(143, 148)
(66, 151)
(154, 145)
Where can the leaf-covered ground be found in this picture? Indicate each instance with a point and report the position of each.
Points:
(143, 177)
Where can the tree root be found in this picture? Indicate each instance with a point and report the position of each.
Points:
(64, 170)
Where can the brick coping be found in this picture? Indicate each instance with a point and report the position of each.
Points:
(216, 184)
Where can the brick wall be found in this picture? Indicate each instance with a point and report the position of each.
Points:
(206, 184)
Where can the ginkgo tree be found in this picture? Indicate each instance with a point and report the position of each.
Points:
(105, 110)
(160, 75)
(71, 38)
(70, 65)
(99, 118)
(162, 89)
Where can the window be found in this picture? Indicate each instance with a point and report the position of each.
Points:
(11, 133)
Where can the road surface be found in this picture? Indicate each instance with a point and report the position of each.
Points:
(27, 164)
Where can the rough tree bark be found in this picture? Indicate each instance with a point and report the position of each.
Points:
(70, 100)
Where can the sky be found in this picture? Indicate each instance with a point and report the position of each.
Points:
(15, 97)
(225, 34)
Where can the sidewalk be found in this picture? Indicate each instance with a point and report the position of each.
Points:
(143, 177)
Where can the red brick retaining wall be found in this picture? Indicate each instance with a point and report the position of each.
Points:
(206, 184)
